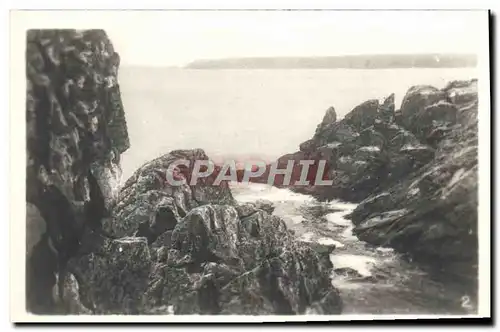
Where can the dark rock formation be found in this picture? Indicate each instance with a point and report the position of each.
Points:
(149, 247)
(416, 100)
(363, 116)
(76, 131)
(414, 172)
(220, 257)
(115, 276)
(386, 110)
(432, 212)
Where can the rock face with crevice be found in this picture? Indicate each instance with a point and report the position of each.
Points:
(76, 131)
(149, 247)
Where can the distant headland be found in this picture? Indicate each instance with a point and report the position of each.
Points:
(348, 62)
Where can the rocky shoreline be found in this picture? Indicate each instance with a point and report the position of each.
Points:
(148, 248)
(413, 172)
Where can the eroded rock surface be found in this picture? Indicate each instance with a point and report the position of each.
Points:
(414, 172)
(432, 212)
(76, 131)
(219, 257)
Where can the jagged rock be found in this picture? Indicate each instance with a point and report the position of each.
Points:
(388, 130)
(153, 213)
(431, 213)
(416, 176)
(383, 219)
(208, 233)
(462, 92)
(35, 227)
(217, 264)
(159, 254)
(69, 298)
(442, 115)
(364, 115)
(386, 110)
(75, 134)
(148, 200)
(371, 137)
(420, 154)
(153, 247)
(330, 153)
(375, 203)
(398, 166)
(108, 175)
(251, 224)
(282, 285)
(368, 153)
(336, 132)
(357, 163)
(308, 145)
(264, 204)
(165, 239)
(116, 277)
(213, 245)
(245, 209)
(403, 138)
(329, 118)
(321, 248)
(351, 166)
(416, 100)
(348, 272)
(365, 163)
(344, 133)
(41, 271)
(243, 295)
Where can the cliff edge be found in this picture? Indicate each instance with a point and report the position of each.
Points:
(76, 131)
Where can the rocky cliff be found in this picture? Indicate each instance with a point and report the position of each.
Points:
(201, 252)
(413, 170)
(76, 132)
(148, 247)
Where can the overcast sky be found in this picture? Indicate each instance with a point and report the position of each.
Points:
(178, 37)
(175, 38)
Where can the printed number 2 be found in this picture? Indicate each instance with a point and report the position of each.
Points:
(466, 302)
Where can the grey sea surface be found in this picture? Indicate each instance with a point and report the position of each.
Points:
(251, 114)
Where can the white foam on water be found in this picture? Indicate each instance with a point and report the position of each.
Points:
(369, 148)
(412, 192)
(344, 283)
(307, 237)
(329, 241)
(344, 206)
(410, 147)
(244, 192)
(348, 234)
(360, 263)
(311, 237)
(296, 219)
(338, 219)
(384, 249)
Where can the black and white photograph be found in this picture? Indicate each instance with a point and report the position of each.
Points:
(261, 165)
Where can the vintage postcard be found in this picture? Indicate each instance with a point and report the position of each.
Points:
(250, 165)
